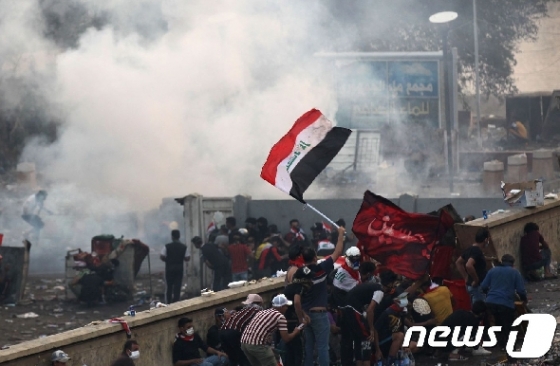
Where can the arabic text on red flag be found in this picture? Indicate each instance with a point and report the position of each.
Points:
(401, 241)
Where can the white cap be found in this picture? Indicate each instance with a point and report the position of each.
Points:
(252, 298)
(353, 252)
(59, 356)
(280, 300)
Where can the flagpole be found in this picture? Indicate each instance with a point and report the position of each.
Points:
(322, 214)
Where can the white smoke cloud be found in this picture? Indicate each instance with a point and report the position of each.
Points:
(195, 110)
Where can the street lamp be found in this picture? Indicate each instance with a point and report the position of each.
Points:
(443, 18)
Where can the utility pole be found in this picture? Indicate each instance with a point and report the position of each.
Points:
(476, 73)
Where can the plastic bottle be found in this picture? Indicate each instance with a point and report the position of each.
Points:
(131, 310)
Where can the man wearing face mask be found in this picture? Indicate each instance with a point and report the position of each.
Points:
(347, 276)
(131, 352)
(389, 331)
(357, 331)
(187, 346)
(230, 333)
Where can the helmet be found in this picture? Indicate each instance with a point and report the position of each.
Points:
(353, 256)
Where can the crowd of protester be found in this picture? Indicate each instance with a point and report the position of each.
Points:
(259, 249)
(349, 312)
(357, 312)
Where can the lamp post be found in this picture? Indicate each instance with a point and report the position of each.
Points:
(443, 18)
(476, 73)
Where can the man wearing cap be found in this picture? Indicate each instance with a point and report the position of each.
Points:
(502, 283)
(230, 333)
(59, 358)
(213, 334)
(255, 341)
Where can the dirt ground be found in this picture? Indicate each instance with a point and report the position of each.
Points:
(56, 314)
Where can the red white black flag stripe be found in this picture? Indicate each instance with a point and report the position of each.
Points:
(302, 154)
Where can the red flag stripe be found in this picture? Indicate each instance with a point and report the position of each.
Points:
(283, 148)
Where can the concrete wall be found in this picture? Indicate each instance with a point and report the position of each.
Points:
(99, 345)
(506, 230)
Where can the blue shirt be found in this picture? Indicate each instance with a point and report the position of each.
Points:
(502, 283)
(317, 295)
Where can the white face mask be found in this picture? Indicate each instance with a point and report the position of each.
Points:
(134, 355)
(190, 331)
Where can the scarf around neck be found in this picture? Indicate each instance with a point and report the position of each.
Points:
(352, 272)
(185, 338)
(298, 234)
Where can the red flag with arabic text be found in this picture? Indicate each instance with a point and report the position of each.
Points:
(400, 240)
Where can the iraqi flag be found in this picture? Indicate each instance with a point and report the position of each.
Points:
(302, 154)
(402, 241)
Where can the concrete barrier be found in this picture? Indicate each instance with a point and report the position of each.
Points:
(99, 345)
(506, 230)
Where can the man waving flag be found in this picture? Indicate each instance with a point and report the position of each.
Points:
(302, 154)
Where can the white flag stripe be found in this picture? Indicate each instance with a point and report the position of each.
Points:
(306, 140)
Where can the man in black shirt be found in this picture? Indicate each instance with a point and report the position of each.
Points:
(216, 261)
(187, 346)
(174, 254)
(213, 334)
(472, 265)
(357, 332)
(389, 330)
(301, 282)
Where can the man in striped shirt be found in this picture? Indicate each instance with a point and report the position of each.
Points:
(230, 333)
(257, 337)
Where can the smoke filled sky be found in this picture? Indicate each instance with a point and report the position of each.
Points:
(166, 98)
(171, 98)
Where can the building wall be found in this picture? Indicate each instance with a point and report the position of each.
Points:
(99, 345)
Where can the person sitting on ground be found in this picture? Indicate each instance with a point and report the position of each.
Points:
(502, 283)
(131, 352)
(91, 291)
(59, 358)
(463, 319)
(187, 346)
(213, 335)
(535, 253)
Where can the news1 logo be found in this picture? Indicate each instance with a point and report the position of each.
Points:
(538, 337)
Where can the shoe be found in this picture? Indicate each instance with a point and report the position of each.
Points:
(481, 352)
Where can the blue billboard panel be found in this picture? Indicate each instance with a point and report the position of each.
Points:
(374, 93)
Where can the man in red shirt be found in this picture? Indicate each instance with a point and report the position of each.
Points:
(239, 254)
(535, 252)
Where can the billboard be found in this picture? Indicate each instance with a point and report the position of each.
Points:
(373, 93)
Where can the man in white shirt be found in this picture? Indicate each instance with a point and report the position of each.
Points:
(32, 208)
